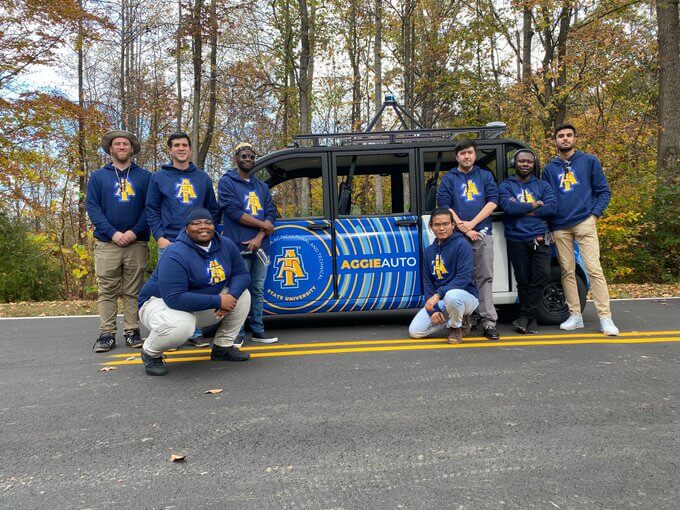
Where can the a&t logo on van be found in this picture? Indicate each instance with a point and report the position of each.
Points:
(289, 268)
(469, 191)
(185, 191)
(253, 204)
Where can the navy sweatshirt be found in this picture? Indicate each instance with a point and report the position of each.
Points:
(580, 192)
(116, 202)
(448, 266)
(190, 279)
(238, 196)
(516, 199)
(173, 194)
(467, 194)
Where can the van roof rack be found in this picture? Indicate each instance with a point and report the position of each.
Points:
(490, 131)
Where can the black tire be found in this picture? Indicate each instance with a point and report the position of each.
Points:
(552, 307)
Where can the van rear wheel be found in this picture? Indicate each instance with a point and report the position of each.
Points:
(552, 307)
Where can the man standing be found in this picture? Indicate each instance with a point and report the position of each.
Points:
(116, 197)
(174, 191)
(448, 281)
(527, 202)
(472, 195)
(249, 215)
(582, 194)
(200, 281)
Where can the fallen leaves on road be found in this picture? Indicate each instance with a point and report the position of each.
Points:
(213, 391)
(107, 369)
(177, 458)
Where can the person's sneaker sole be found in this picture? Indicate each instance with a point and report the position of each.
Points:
(196, 342)
(265, 340)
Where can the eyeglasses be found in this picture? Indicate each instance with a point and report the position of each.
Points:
(202, 223)
(246, 157)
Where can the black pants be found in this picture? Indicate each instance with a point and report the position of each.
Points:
(532, 270)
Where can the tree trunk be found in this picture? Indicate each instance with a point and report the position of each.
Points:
(212, 101)
(197, 59)
(121, 84)
(179, 66)
(377, 66)
(353, 53)
(527, 35)
(305, 90)
(408, 53)
(668, 145)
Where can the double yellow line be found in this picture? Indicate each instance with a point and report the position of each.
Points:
(410, 344)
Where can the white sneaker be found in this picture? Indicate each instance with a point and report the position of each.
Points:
(573, 322)
(608, 327)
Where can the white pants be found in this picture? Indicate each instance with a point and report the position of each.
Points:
(456, 303)
(170, 328)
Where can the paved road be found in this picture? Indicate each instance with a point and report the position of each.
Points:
(348, 414)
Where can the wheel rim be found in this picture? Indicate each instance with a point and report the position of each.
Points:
(553, 298)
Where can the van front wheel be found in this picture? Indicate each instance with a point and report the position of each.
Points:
(552, 307)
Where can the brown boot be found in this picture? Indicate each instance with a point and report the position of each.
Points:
(467, 326)
(455, 336)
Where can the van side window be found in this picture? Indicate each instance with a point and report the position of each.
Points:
(296, 186)
(378, 185)
(487, 158)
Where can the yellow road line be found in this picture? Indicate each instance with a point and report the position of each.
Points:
(440, 345)
(319, 345)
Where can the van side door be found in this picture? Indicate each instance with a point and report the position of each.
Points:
(300, 275)
(375, 229)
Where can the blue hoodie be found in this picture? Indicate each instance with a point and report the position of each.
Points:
(448, 266)
(516, 199)
(238, 196)
(173, 194)
(468, 193)
(581, 192)
(116, 201)
(189, 278)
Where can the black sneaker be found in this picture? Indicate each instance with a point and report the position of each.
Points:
(134, 339)
(228, 354)
(491, 332)
(104, 343)
(199, 341)
(153, 366)
(533, 326)
(263, 338)
(521, 324)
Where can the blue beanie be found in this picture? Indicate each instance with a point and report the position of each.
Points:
(198, 214)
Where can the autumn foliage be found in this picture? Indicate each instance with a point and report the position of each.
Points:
(531, 64)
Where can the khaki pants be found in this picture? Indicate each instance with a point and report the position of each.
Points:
(170, 328)
(119, 270)
(585, 234)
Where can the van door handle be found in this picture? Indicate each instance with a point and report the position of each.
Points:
(405, 223)
(319, 226)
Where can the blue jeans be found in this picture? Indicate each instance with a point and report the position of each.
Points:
(258, 273)
(456, 303)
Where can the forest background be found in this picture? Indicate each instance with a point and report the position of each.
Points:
(265, 71)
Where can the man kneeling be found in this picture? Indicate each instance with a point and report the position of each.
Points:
(448, 281)
(200, 281)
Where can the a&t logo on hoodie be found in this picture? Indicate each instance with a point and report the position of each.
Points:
(439, 267)
(216, 272)
(253, 206)
(567, 180)
(469, 191)
(185, 191)
(124, 190)
(526, 197)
